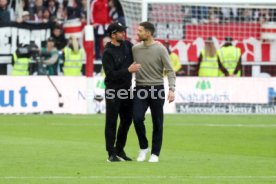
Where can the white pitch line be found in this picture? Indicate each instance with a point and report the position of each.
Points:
(190, 125)
(183, 124)
(135, 177)
(166, 124)
(225, 125)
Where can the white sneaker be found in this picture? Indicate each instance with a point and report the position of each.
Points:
(154, 158)
(142, 155)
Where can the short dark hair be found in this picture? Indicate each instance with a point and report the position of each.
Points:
(229, 39)
(148, 26)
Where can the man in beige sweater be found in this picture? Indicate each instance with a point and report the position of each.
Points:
(149, 91)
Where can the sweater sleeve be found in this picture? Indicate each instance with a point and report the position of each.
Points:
(168, 68)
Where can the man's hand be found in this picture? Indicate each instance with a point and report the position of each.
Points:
(134, 67)
(171, 96)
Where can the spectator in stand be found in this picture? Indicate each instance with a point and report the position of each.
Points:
(199, 14)
(213, 15)
(30, 4)
(58, 36)
(74, 58)
(246, 15)
(229, 58)
(52, 58)
(46, 16)
(25, 17)
(26, 5)
(73, 10)
(234, 13)
(225, 14)
(174, 59)
(45, 3)
(83, 10)
(65, 3)
(64, 13)
(61, 14)
(100, 20)
(116, 12)
(19, 8)
(5, 15)
(38, 17)
(11, 8)
(36, 10)
(263, 16)
(228, 14)
(53, 8)
(273, 15)
(208, 65)
(21, 62)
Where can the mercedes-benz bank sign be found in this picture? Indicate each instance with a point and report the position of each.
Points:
(225, 108)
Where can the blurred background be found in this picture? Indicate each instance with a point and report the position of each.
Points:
(39, 39)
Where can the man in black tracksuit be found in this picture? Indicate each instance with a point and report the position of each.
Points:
(118, 67)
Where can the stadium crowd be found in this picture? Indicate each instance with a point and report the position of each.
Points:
(57, 12)
(226, 14)
(204, 14)
(104, 12)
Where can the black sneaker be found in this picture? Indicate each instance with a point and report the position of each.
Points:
(122, 155)
(113, 158)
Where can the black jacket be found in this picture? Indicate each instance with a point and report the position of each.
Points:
(116, 60)
(60, 41)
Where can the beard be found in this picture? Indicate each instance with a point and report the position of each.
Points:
(120, 40)
(142, 39)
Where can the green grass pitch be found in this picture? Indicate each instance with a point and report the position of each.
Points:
(197, 149)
